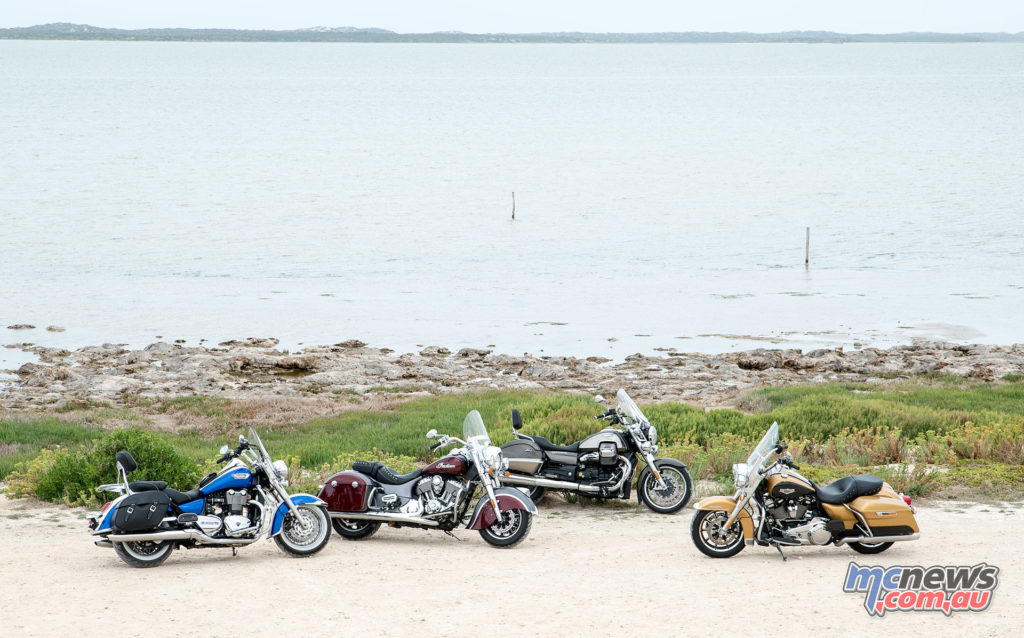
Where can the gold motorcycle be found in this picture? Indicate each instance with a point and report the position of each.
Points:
(775, 506)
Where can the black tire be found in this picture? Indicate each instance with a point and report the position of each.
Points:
(355, 530)
(703, 532)
(512, 529)
(144, 554)
(536, 494)
(874, 548)
(299, 543)
(678, 491)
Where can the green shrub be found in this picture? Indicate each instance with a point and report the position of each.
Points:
(71, 476)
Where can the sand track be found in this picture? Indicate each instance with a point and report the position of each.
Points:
(583, 571)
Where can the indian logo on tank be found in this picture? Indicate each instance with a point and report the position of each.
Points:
(446, 466)
(240, 475)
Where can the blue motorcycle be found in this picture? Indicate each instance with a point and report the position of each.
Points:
(230, 508)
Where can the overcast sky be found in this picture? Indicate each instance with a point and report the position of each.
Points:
(407, 16)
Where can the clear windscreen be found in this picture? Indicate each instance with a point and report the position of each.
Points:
(764, 448)
(255, 439)
(629, 408)
(473, 429)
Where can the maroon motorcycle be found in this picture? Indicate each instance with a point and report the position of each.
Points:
(435, 497)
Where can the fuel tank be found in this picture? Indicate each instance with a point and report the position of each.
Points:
(787, 486)
(523, 456)
(453, 464)
(347, 491)
(592, 442)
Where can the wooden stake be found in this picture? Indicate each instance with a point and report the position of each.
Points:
(807, 249)
(513, 204)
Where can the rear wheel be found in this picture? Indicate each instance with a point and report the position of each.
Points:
(869, 548)
(710, 537)
(144, 553)
(307, 537)
(675, 495)
(511, 530)
(536, 494)
(355, 530)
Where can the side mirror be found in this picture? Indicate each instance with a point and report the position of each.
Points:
(517, 421)
(599, 398)
(432, 434)
(224, 450)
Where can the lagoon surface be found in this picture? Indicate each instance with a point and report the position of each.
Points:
(322, 192)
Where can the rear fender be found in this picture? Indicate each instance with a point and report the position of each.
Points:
(282, 509)
(508, 499)
(727, 504)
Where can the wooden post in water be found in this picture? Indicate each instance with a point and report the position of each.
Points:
(513, 204)
(807, 249)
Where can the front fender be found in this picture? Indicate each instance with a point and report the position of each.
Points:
(508, 499)
(282, 509)
(727, 504)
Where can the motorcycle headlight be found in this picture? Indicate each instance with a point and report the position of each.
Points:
(652, 434)
(281, 469)
(492, 455)
(740, 471)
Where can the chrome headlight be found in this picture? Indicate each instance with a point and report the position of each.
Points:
(652, 434)
(281, 469)
(492, 457)
(740, 472)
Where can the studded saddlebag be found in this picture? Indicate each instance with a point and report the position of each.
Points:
(141, 512)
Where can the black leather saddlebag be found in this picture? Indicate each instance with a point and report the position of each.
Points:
(141, 512)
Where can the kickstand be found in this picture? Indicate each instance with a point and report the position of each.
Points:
(234, 551)
(779, 547)
(448, 532)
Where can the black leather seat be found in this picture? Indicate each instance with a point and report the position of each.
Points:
(844, 490)
(180, 498)
(383, 473)
(551, 447)
(147, 486)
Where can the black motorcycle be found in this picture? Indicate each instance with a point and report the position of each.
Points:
(602, 465)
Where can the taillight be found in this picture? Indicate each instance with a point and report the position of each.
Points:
(105, 506)
(906, 499)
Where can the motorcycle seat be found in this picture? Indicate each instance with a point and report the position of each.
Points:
(383, 473)
(180, 498)
(844, 490)
(551, 447)
(147, 486)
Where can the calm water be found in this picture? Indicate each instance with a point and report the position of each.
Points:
(320, 192)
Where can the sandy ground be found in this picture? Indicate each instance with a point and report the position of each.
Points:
(583, 571)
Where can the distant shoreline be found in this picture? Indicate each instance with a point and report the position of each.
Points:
(67, 31)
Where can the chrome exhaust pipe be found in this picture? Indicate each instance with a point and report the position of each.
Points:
(536, 481)
(384, 517)
(179, 535)
(871, 540)
(103, 542)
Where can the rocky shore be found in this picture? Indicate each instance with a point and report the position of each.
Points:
(255, 368)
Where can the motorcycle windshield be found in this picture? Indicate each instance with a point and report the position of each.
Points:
(473, 430)
(255, 438)
(764, 448)
(629, 408)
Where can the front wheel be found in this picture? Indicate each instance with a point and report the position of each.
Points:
(144, 553)
(511, 530)
(677, 492)
(711, 539)
(307, 537)
(355, 530)
(869, 548)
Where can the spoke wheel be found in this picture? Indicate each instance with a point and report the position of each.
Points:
(307, 537)
(144, 553)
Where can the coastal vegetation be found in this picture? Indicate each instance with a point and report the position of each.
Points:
(927, 436)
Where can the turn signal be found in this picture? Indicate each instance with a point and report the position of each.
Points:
(906, 499)
(490, 470)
